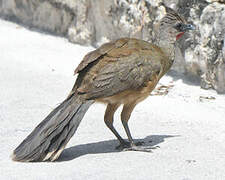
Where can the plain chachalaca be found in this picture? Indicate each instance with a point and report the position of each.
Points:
(122, 72)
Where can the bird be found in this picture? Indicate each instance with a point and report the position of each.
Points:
(121, 72)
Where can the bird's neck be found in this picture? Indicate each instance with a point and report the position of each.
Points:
(168, 48)
(166, 41)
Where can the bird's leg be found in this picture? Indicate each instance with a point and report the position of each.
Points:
(125, 116)
(108, 118)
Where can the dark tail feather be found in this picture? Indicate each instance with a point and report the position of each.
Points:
(49, 138)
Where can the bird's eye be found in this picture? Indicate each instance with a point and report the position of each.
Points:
(178, 27)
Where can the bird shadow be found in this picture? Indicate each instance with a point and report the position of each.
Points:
(187, 78)
(107, 147)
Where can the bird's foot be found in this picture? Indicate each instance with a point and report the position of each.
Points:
(134, 147)
(126, 145)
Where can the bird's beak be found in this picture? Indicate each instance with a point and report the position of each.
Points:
(187, 27)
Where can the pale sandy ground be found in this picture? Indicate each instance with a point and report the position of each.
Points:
(36, 73)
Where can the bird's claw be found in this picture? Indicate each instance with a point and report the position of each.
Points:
(138, 146)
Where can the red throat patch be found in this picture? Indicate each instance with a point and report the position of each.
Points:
(179, 35)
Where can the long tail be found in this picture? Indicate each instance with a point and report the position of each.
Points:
(49, 138)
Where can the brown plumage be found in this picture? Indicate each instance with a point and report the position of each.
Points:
(122, 72)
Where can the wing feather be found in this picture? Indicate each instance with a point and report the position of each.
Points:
(98, 53)
(117, 77)
(125, 65)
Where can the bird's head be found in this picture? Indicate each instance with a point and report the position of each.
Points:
(172, 26)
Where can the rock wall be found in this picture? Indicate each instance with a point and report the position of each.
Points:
(93, 22)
